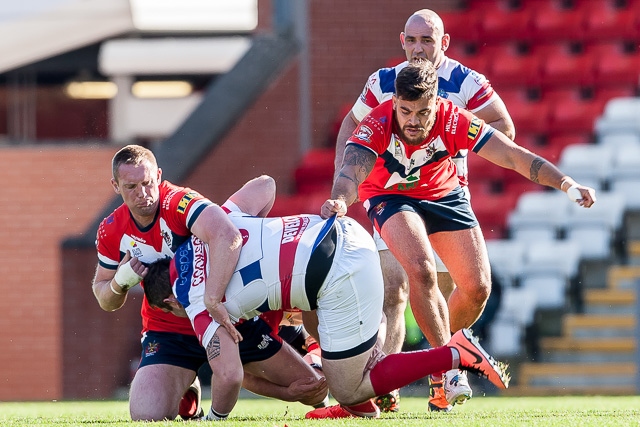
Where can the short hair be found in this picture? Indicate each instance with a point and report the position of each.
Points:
(417, 80)
(131, 155)
(157, 283)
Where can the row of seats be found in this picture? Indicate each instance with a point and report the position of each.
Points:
(603, 64)
(544, 20)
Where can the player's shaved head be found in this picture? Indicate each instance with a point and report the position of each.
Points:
(426, 16)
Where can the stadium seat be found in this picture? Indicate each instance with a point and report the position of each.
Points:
(602, 20)
(506, 257)
(550, 289)
(461, 25)
(509, 67)
(491, 209)
(497, 24)
(560, 67)
(552, 22)
(620, 140)
(528, 115)
(589, 164)
(616, 68)
(620, 115)
(315, 172)
(594, 241)
(551, 257)
(628, 188)
(626, 163)
(573, 115)
(607, 212)
(543, 211)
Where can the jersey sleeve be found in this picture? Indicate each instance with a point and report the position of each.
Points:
(471, 134)
(181, 207)
(369, 135)
(477, 91)
(107, 244)
(368, 99)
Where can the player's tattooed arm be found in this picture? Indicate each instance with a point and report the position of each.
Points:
(357, 165)
(534, 170)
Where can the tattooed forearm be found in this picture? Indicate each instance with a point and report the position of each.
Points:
(213, 349)
(355, 181)
(535, 168)
(360, 157)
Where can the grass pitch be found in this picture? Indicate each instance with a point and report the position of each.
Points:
(598, 411)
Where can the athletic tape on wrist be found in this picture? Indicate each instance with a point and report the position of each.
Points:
(114, 289)
(125, 276)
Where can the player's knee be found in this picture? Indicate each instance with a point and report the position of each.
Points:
(229, 379)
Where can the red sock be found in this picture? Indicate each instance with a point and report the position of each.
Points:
(365, 409)
(401, 369)
(188, 404)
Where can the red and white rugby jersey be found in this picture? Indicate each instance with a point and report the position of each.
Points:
(426, 171)
(270, 274)
(179, 207)
(463, 86)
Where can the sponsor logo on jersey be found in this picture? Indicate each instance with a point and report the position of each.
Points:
(452, 122)
(474, 128)
(364, 134)
(443, 93)
(166, 237)
(294, 226)
(137, 239)
(199, 264)
(184, 202)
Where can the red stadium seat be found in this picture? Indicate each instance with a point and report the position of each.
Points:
(552, 22)
(461, 25)
(509, 67)
(500, 24)
(604, 21)
(529, 116)
(560, 67)
(571, 115)
(315, 172)
(616, 68)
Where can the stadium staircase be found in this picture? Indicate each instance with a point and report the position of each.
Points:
(557, 64)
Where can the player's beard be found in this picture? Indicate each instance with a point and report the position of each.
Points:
(417, 137)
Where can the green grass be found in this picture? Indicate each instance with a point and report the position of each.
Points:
(597, 411)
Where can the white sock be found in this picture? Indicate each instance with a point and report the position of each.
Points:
(456, 358)
(214, 416)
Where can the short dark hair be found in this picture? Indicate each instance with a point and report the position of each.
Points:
(417, 80)
(131, 155)
(157, 283)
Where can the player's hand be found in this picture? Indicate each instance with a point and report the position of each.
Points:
(130, 272)
(584, 196)
(333, 207)
(219, 313)
(309, 391)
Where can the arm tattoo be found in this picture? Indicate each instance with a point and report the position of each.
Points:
(355, 181)
(360, 157)
(535, 168)
(213, 349)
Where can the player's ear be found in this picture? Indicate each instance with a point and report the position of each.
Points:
(402, 39)
(446, 39)
(115, 186)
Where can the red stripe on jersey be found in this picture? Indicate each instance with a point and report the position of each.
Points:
(200, 324)
(292, 229)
